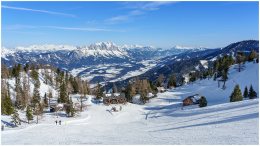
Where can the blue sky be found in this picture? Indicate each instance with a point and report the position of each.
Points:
(159, 24)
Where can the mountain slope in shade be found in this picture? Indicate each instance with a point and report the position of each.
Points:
(190, 60)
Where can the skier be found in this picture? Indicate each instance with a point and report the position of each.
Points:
(60, 122)
(120, 108)
(56, 122)
(2, 127)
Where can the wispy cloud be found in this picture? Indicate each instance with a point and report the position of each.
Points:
(137, 9)
(39, 11)
(90, 29)
(147, 6)
(18, 27)
(82, 28)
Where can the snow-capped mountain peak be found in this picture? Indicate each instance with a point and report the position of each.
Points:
(107, 45)
(102, 49)
(181, 47)
(45, 47)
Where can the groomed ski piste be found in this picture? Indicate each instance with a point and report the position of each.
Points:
(161, 121)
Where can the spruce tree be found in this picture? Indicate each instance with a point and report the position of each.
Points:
(15, 118)
(2, 106)
(38, 111)
(70, 111)
(25, 91)
(236, 94)
(245, 92)
(153, 87)
(252, 55)
(34, 75)
(192, 77)
(160, 80)
(29, 114)
(114, 88)
(130, 92)
(75, 85)
(252, 94)
(63, 93)
(18, 93)
(99, 91)
(81, 102)
(172, 81)
(50, 95)
(203, 102)
(45, 100)
(86, 89)
(36, 97)
(8, 105)
(224, 77)
(26, 68)
(240, 58)
(143, 91)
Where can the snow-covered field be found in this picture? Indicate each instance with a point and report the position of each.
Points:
(161, 121)
(113, 72)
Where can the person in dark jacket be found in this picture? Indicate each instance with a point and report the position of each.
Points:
(60, 122)
(56, 122)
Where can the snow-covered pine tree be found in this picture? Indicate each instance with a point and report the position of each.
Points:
(236, 94)
(245, 92)
(252, 94)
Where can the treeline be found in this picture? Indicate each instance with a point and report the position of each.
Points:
(139, 86)
(236, 95)
(30, 74)
(216, 70)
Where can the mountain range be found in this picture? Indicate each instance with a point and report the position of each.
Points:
(108, 62)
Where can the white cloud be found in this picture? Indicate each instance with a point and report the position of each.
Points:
(80, 28)
(154, 5)
(39, 11)
(137, 8)
(90, 29)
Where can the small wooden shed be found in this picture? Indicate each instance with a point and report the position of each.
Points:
(114, 99)
(190, 100)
